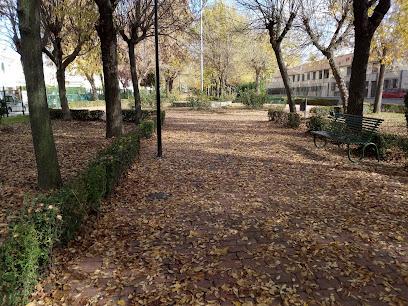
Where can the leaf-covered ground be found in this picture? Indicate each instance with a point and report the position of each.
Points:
(253, 214)
(77, 143)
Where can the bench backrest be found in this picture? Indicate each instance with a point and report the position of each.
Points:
(355, 126)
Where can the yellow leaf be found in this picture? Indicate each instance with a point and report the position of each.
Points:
(192, 233)
(121, 302)
(236, 303)
(399, 238)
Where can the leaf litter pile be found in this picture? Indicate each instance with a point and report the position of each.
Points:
(241, 212)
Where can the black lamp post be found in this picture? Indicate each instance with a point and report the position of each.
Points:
(156, 39)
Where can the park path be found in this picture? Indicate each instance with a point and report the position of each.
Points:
(251, 214)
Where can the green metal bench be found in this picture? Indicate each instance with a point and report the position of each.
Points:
(350, 130)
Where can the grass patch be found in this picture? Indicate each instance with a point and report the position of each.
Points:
(16, 119)
(394, 123)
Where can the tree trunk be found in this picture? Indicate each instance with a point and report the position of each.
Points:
(378, 92)
(171, 82)
(257, 78)
(364, 28)
(103, 84)
(285, 76)
(339, 79)
(107, 34)
(358, 75)
(66, 114)
(135, 82)
(92, 83)
(49, 176)
(167, 85)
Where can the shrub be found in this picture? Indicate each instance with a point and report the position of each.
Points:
(47, 219)
(26, 254)
(317, 123)
(393, 108)
(253, 100)
(199, 100)
(77, 114)
(293, 120)
(55, 113)
(130, 115)
(147, 128)
(278, 115)
(227, 97)
(3, 109)
(324, 111)
(80, 114)
(96, 115)
(385, 142)
(318, 101)
(147, 98)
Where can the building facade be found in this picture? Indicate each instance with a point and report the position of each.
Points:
(316, 79)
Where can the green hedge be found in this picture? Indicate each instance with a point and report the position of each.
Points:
(280, 116)
(318, 101)
(129, 115)
(78, 114)
(48, 219)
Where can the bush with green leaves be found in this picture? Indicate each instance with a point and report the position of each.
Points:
(199, 100)
(279, 115)
(317, 123)
(129, 115)
(146, 128)
(3, 109)
(325, 111)
(251, 99)
(294, 120)
(26, 254)
(78, 114)
(49, 219)
(147, 98)
(318, 101)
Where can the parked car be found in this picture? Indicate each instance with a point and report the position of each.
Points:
(394, 93)
(13, 103)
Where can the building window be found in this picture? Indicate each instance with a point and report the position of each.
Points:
(326, 74)
(349, 70)
(333, 86)
(2, 67)
(387, 83)
(298, 77)
(303, 77)
(314, 75)
(375, 68)
(308, 76)
(320, 75)
(394, 83)
(293, 78)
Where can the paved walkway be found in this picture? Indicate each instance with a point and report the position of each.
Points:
(254, 214)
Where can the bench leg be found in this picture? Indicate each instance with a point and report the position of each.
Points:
(314, 140)
(376, 149)
(362, 153)
(349, 155)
